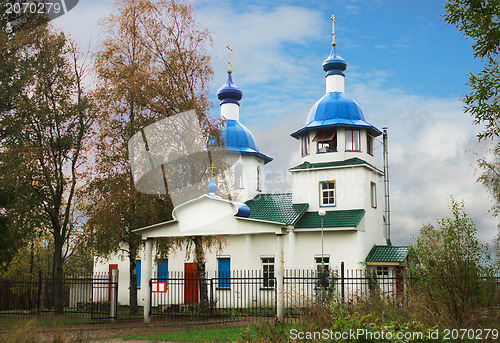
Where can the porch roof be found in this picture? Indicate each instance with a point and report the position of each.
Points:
(388, 253)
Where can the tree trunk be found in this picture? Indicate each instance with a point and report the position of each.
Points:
(200, 261)
(133, 279)
(58, 274)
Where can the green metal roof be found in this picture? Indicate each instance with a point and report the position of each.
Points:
(340, 218)
(387, 253)
(275, 207)
(349, 162)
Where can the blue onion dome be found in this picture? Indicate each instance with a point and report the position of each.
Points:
(335, 109)
(212, 187)
(229, 92)
(334, 64)
(237, 138)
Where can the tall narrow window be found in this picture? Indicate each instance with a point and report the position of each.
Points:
(138, 272)
(373, 194)
(326, 141)
(352, 140)
(259, 188)
(369, 144)
(304, 140)
(224, 270)
(268, 272)
(327, 193)
(238, 176)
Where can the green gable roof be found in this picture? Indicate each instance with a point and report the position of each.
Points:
(349, 162)
(387, 253)
(275, 207)
(341, 218)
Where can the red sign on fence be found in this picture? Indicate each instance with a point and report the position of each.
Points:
(158, 287)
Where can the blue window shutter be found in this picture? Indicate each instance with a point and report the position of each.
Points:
(162, 270)
(138, 272)
(224, 272)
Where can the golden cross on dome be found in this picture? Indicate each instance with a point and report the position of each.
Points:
(333, 29)
(212, 173)
(229, 60)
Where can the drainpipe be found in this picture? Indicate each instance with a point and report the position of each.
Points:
(387, 216)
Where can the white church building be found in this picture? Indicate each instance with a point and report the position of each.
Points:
(335, 212)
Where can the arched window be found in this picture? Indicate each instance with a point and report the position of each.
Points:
(238, 176)
(259, 188)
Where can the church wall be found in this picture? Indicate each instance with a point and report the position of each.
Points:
(350, 186)
(249, 164)
(338, 245)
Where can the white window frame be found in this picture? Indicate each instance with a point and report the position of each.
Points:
(370, 141)
(317, 261)
(382, 271)
(326, 194)
(238, 181)
(305, 146)
(323, 140)
(373, 194)
(268, 272)
(350, 140)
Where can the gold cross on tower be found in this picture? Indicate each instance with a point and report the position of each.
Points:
(333, 29)
(229, 60)
(212, 173)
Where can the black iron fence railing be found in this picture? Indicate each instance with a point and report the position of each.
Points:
(93, 296)
(232, 295)
(223, 295)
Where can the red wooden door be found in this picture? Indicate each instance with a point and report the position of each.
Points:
(190, 283)
(110, 276)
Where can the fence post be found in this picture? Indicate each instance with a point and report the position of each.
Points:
(211, 302)
(146, 279)
(39, 295)
(342, 280)
(280, 289)
(114, 295)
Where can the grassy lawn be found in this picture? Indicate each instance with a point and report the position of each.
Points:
(228, 334)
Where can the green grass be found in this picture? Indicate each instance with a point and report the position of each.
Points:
(229, 334)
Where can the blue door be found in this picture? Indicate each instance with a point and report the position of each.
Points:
(224, 272)
(162, 270)
(138, 272)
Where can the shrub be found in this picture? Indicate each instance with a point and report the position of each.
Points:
(451, 268)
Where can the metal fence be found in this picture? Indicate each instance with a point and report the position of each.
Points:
(228, 295)
(241, 294)
(93, 296)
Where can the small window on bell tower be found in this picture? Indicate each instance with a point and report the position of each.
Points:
(304, 142)
(238, 176)
(369, 144)
(326, 141)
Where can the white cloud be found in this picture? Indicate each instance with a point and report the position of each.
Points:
(82, 22)
(257, 38)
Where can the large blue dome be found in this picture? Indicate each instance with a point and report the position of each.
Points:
(335, 109)
(238, 138)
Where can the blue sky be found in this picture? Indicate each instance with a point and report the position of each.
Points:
(406, 69)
